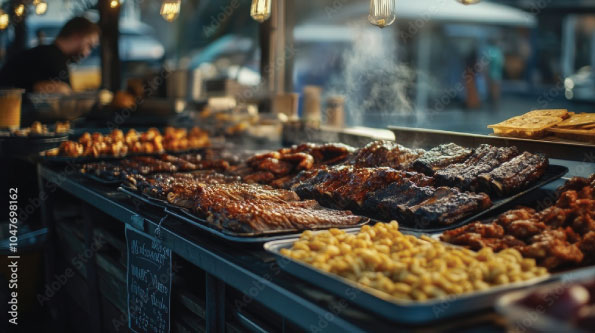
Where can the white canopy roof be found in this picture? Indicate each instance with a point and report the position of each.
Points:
(437, 11)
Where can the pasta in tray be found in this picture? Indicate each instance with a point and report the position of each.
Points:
(408, 267)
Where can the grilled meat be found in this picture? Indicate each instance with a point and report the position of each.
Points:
(559, 236)
(514, 175)
(441, 157)
(240, 207)
(278, 167)
(483, 160)
(386, 154)
(347, 186)
(448, 205)
(145, 165)
(386, 193)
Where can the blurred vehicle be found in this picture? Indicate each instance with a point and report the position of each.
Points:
(229, 57)
(581, 85)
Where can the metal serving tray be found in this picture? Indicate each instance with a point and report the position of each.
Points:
(375, 301)
(89, 159)
(427, 138)
(552, 173)
(101, 180)
(187, 216)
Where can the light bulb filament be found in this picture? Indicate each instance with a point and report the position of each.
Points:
(170, 10)
(260, 10)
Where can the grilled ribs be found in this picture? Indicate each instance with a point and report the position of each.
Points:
(386, 154)
(513, 175)
(440, 157)
(483, 160)
(145, 165)
(386, 193)
(234, 206)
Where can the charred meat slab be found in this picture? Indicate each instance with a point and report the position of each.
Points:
(346, 187)
(386, 154)
(514, 175)
(239, 207)
(441, 157)
(386, 193)
(484, 159)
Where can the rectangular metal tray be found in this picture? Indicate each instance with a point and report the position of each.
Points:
(203, 224)
(89, 159)
(552, 173)
(427, 138)
(100, 180)
(408, 312)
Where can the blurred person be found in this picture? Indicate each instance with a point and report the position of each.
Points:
(472, 98)
(40, 35)
(495, 59)
(44, 68)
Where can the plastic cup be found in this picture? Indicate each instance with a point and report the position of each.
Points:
(10, 108)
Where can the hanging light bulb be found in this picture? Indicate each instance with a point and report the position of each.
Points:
(469, 2)
(260, 10)
(170, 9)
(4, 20)
(41, 7)
(19, 10)
(114, 3)
(382, 12)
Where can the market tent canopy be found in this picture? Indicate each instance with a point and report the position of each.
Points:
(436, 11)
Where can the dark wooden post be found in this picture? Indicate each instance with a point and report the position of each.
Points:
(20, 30)
(109, 19)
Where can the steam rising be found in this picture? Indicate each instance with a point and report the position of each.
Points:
(373, 82)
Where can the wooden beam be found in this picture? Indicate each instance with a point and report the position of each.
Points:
(109, 19)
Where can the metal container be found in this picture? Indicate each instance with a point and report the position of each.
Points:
(187, 216)
(409, 312)
(184, 84)
(426, 138)
(552, 173)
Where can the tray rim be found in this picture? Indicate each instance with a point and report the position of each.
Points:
(421, 130)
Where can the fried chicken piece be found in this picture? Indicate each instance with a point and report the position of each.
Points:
(587, 245)
(554, 217)
(484, 230)
(510, 216)
(523, 229)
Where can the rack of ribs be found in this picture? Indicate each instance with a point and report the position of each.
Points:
(441, 157)
(234, 206)
(243, 207)
(386, 193)
(513, 175)
(483, 160)
(383, 153)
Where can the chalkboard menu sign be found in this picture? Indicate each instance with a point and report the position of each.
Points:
(148, 283)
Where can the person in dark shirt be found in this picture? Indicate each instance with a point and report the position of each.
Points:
(44, 69)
